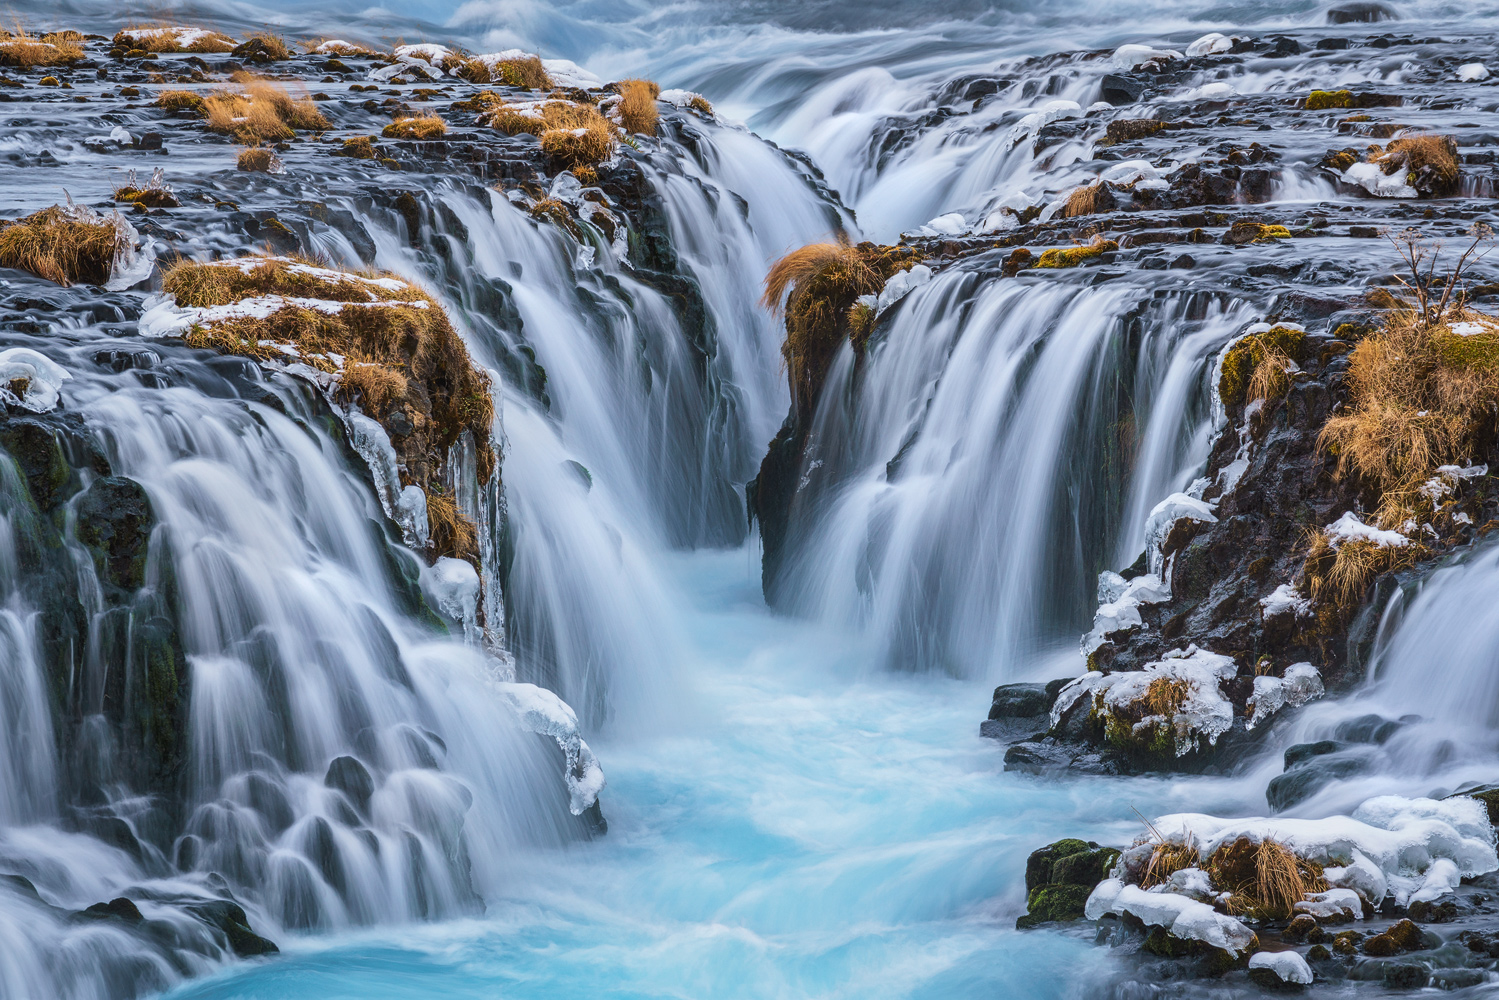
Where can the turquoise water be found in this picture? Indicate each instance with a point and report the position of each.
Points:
(799, 826)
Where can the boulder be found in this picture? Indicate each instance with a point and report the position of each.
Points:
(1059, 879)
(115, 519)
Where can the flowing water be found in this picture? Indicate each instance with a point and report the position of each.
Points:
(798, 805)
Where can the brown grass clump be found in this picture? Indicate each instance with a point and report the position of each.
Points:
(1338, 577)
(700, 104)
(166, 39)
(1165, 696)
(555, 211)
(1088, 200)
(1167, 859)
(258, 160)
(576, 134)
(526, 73)
(392, 329)
(452, 533)
(180, 100)
(25, 51)
(378, 387)
(361, 147)
(264, 112)
(1266, 879)
(637, 106)
(430, 127)
(273, 46)
(816, 287)
(155, 193)
(62, 245)
(1431, 159)
(587, 176)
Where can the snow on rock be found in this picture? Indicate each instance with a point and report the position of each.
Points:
(1210, 92)
(1472, 72)
(1049, 112)
(951, 224)
(1183, 918)
(1441, 878)
(1372, 178)
(1204, 712)
(1362, 876)
(1283, 599)
(184, 36)
(1163, 518)
(427, 51)
(1334, 904)
(338, 47)
(1288, 966)
(30, 379)
(1193, 883)
(1349, 528)
(1139, 174)
(678, 98)
(1122, 610)
(1301, 684)
(406, 64)
(541, 711)
(566, 73)
(901, 284)
(1210, 44)
(1400, 838)
(1130, 56)
(1006, 213)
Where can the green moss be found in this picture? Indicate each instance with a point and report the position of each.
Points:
(1479, 350)
(1245, 356)
(1059, 902)
(1319, 100)
(1060, 257)
(1060, 877)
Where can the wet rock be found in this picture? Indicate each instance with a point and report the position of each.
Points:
(115, 520)
(1059, 879)
(1020, 700)
(1361, 12)
(1121, 90)
(230, 918)
(118, 909)
(1400, 937)
(352, 778)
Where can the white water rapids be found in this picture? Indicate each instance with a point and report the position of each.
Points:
(799, 805)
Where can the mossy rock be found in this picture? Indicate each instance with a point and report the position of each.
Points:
(1038, 867)
(115, 519)
(1242, 359)
(1319, 100)
(1060, 877)
(1054, 903)
(1060, 257)
(39, 456)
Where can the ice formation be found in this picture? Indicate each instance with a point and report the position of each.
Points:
(1204, 712)
(30, 379)
(541, 711)
(1183, 918)
(1288, 966)
(1300, 684)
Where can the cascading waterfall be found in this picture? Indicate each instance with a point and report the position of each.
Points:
(911, 523)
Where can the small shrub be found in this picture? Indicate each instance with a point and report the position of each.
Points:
(361, 147)
(525, 72)
(430, 127)
(1088, 200)
(1321, 100)
(1168, 858)
(259, 160)
(155, 193)
(587, 176)
(1060, 257)
(180, 100)
(637, 106)
(65, 245)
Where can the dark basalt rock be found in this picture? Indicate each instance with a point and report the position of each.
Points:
(1361, 12)
(229, 918)
(1121, 90)
(1059, 879)
(114, 522)
(353, 779)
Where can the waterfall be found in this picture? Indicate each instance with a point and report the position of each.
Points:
(911, 520)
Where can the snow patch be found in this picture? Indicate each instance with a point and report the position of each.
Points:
(1472, 72)
(541, 711)
(1130, 56)
(30, 379)
(901, 284)
(1372, 178)
(1288, 966)
(1204, 712)
(1211, 44)
(1122, 608)
(1284, 598)
(1349, 528)
(1183, 918)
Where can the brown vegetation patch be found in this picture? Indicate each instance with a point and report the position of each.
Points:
(430, 127)
(180, 100)
(258, 160)
(1266, 879)
(1089, 199)
(63, 245)
(384, 327)
(526, 73)
(361, 147)
(1168, 858)
(637, 106)
(155, 193)
(700, 104)
(20, 49)
(452, 533)
(264, 112)
(265, 45)
(1431, 160)
(165, 38)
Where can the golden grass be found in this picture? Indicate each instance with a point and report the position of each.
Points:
(815, 286)
(555, 211)
(149, 38)
(587, 176)
(637, 106)
(452, 533)
(1088, 200)
(401, 329)
(1266, 879)
(430, 127)
(361, 147)
(1165, 696)
(264, 112)
(273, 45)
(700, 104)
(180, 100)
(526, 73)
(257, 159)
(1271, 376)
(377, 387)
(1421, 396)
(1168, 858)
(1338, 577)
(576, 135)
(1436, 155)
(55, 245)
(23, 50)
(1257, 367)
(155, 193)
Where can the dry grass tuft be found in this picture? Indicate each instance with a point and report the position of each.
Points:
(180, 100)
(22, 50)
(1266, 879)
(165, 38)
(1338, 577)
(430, 127)
(1431, 159)
(155, 193)
(264, 112)
(273, 46)
(453, 534)
(259, 160)
(62, 245)
(1259, 365)
(1167, 859)
(576, 135)
(1088, 200)
(637, 106)
(1165, 696)
(384, 332)
(700, 104)
(526, 73)
(361, 147)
